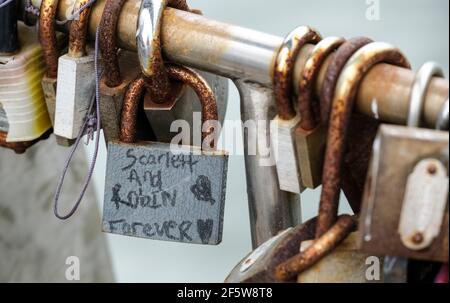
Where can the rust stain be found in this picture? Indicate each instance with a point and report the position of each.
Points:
(334, 69)
(20, 147)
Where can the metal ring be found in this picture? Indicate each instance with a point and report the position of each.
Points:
(284, 68)
(342, 55)
(47, 36)
(419, 90)
(78, 31)
(443, 119)
(108, 44)
(342, 107)
(310, 72)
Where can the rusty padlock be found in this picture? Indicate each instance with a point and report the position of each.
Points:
(409, 171)
(119, 71)
(76, 78)
(310, 134)
(170, 101)
(165, 191)
(282, 127)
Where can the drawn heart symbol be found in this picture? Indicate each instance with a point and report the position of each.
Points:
(204, 229)
(202, 190)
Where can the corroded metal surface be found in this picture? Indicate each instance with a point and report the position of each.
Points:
(343, 101)
(108, 44)
(334, 69)
(284, 68)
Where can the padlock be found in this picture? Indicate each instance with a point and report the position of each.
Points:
(21, 97)
(283, 126)
(181, 102)
(76, 79)
(50, 43)
(119, 71)
(310, 134)
(165, 191)
(405, 206)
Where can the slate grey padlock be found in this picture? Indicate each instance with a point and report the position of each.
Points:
(76, 79)
(119, 71)
(409, 171)
(163, 191)
(283, 126)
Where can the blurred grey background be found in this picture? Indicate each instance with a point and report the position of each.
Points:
(418, 27)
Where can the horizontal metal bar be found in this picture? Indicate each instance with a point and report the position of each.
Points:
(249, 55)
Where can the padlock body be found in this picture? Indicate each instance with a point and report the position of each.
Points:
(75, 89)
(397, 151)
(161, 116)
(163, 192)
(284, 149)
(345, 264)
(310, 147)
(111, 98)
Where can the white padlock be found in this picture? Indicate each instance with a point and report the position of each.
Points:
(76, 79)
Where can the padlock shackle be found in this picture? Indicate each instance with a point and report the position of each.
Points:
(284, 68)
(342, 108)
(186, 76)
(108, 42)
(47, 36)
(148, 43)
(78, 32)
(320, 248)
(306, 100)
(419, 90)
(334, 69)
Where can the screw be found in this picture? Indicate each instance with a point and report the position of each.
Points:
(417, 238)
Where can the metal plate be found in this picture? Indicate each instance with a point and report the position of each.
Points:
(172, 194)
(397, 150)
